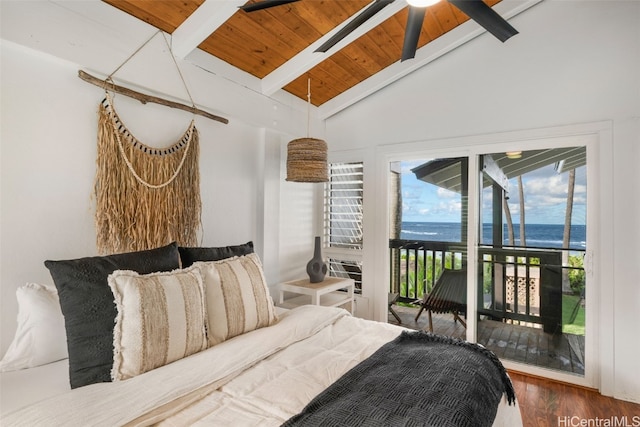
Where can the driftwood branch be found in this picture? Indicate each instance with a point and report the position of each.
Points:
(144, 98)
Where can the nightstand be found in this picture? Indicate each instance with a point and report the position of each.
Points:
(331, 292)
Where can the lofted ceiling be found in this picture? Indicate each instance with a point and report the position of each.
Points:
(276, 45)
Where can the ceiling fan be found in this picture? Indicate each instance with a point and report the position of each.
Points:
(474, 9)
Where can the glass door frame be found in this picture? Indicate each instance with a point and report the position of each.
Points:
(597, 139)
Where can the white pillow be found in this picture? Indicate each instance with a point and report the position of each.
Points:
(161, 318)
(237, 297)
(40, 337)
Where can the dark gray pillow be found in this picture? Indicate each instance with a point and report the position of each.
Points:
(89, 309)
(191, 255)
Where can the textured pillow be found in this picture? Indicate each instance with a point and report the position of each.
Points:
(191, 255)
(40, 336)
(237, 297)
(161, 318)
(88, 308)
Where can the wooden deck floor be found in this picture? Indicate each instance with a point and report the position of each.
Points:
(513, 342)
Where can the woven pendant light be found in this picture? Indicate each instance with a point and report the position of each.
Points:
(307, 160)
(307, 157)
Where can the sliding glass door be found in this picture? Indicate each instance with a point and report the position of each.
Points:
(428, 232)
(527, 298)
(531, 280)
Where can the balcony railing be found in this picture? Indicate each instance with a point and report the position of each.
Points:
(521, 285)
(417, 264)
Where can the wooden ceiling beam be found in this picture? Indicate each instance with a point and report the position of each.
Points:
(307, 59)
(200, 24)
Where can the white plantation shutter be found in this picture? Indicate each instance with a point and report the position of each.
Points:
(343, 220)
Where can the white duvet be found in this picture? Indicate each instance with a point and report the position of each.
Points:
(261, 378)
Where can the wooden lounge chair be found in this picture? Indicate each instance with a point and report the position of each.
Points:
(392, 299)
(449, 295)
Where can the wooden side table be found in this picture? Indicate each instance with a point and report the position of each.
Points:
(327, 293)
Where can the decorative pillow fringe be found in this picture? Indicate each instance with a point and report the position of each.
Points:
(145, 197)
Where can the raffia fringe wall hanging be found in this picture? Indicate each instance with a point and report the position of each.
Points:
(145, 197)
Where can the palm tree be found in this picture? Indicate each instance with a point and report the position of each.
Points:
(523, 240)
(566, 236)
(395, 217)
(507, 214)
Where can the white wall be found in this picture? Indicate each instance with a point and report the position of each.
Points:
(48, 140)
(573, 62)
(48, 151)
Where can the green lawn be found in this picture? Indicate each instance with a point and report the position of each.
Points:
(568, 305)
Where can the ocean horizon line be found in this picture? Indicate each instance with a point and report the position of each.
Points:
(538, 235)
(487, 223)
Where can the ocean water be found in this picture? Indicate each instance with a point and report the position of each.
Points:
(537, 235)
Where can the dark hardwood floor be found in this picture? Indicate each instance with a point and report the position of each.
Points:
(533, 346)
(544, 402)
(548, 403)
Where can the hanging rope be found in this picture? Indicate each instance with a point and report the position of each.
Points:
(166, 42)
(132, 55)
(193, 104)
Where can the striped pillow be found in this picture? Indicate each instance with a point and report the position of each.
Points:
(237, 297)
(161, 318)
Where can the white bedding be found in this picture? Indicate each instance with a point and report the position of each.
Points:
(27, 386)
(261, 378)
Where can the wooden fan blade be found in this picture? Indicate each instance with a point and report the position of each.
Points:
(486, 17)
(265, 5)
(374, 8)
(412, 32)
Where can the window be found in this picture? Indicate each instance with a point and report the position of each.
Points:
(343, 220)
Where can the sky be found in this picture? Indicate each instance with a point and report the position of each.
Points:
(545, 193)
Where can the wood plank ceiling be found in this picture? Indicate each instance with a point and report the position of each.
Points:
(260, 42)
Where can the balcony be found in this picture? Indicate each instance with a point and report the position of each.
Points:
(520, 299)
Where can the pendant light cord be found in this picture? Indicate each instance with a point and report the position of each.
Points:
(308, 107)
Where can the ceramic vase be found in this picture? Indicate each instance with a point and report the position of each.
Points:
(316, 268)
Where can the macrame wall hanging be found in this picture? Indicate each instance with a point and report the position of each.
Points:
(145, 197)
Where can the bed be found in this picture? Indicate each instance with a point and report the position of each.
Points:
(282, 372)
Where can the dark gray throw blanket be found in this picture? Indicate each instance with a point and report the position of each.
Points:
(418, 379)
